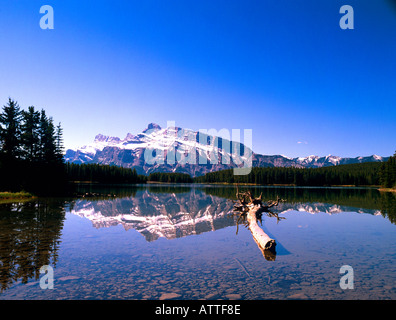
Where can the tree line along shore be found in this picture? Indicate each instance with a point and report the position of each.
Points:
(32, 164)
(352, 175)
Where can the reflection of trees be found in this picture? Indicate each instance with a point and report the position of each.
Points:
(107, 191)
(355, 198)
(388, 206)
(29, 239)
(103, 191)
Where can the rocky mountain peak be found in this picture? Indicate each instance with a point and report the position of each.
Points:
(152, 126)
(102, 138)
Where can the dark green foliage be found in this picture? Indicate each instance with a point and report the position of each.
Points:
(30, 134)
(351, 174)
(173, 177)
(30, 158)
(59, 143)
(102, 174)
(10, 130)
(388, 173)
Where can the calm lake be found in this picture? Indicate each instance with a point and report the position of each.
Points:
(182, 242)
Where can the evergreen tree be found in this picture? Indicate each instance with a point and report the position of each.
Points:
(30, 134)
(42, 132)
(10, 130)
(59, 144)
(47, 140)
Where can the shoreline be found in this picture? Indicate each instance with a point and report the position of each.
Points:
(10, 197)
(16, 195)
(387, 189)
(22, 195)
(274, 185)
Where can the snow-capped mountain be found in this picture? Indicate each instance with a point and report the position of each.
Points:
(175, 149)
(170, 149)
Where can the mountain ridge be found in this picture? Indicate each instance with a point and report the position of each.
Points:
(175, 149)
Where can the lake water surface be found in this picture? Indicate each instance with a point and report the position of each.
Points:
(183, 242)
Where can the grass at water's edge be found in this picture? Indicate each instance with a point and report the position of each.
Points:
(15, 195)
(387, 189)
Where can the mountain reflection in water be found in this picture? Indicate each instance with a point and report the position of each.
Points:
(155, 215)
(173, 213)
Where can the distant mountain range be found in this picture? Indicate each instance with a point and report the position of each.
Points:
(175, 149)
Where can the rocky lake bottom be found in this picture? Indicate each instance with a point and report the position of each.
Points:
(97, 262)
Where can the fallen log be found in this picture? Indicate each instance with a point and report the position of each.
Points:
(262, 239)
(251, 209)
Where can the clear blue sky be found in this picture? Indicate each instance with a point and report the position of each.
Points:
(284, 69)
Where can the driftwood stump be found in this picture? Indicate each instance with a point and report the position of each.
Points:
(250, 210)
